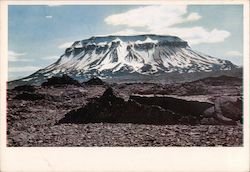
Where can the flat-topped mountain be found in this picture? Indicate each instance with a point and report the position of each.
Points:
(112, 56)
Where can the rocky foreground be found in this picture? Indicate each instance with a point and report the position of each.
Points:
(36, 115)
(105, 134)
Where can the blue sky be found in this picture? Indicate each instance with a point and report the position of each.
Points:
(39, 34)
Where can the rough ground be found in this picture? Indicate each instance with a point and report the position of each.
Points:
(100, 134)
(33, 122)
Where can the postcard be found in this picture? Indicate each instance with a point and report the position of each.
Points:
(125, 85)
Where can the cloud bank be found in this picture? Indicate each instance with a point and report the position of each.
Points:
(14, 56)
(164, 20)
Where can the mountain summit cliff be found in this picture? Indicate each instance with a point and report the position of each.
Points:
(109, 56)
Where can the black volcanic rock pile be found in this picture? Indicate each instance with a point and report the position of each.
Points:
(27, 88)
(113, 109)
(94, 81)
(63, 80)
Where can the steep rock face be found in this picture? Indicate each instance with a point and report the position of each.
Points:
(111, 56)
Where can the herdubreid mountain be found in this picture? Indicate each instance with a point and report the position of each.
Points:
(116, 56)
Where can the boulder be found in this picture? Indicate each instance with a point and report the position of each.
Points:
(227, 110)
(210, 112)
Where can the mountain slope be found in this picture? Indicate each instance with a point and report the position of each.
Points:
(112, 56)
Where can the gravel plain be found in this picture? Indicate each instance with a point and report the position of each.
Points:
(101, 134)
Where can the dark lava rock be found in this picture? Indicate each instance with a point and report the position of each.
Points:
(158, 110)
(113, 109)
(220, 80)
(63, 80)
(228, 110)
(29, 96)
(180, 106)
(27, 88)
(190, 112)
(194, 89)
(94, 81)
(230, 107)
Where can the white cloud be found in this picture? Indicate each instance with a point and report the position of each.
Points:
(14, 56)
(197, 35)
(12, 53)
(193, 17)
(233, 53)
(49, 17)
(23, 69)
(194, 35)
(65, 45)
(162, 20)
(150, 16)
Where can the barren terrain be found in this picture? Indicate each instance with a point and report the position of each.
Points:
(33, 116)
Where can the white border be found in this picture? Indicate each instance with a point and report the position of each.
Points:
(122, 159)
